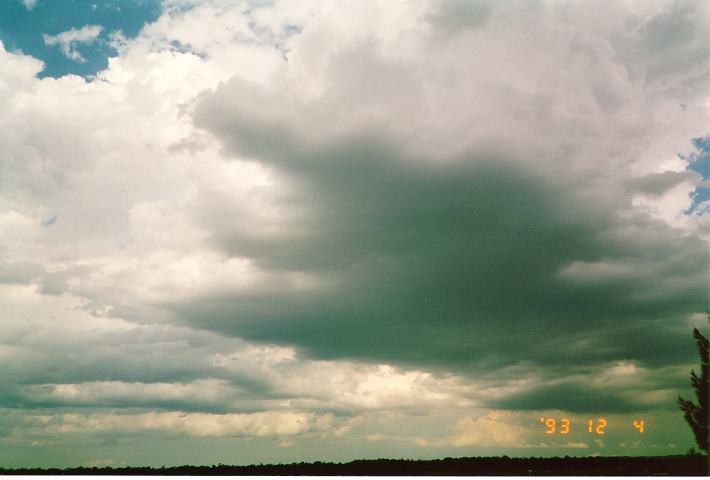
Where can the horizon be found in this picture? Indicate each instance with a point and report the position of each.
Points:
(683, 465)
(250, 232)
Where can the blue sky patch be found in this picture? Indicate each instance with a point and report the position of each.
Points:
(700, 162)
(36, 31)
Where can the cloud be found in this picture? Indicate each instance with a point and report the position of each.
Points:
(123, 365)
(422, 217)
(69, 40)
(656, 184)
(179, 423)
(351, 386)
(29, 4)
(619, 387)
(17, 69)
(198, 394)
(493, 429)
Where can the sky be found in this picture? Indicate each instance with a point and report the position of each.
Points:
(253, 231)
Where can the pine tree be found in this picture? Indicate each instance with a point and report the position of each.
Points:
(696, 414)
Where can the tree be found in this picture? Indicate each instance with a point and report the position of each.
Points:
(696, 414)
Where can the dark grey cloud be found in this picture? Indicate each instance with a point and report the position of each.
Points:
(466, 263)
(455, 264)
(573, 397)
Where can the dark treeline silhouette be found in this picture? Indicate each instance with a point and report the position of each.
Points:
(629, 466)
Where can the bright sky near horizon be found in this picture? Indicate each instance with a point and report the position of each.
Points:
(253, 231)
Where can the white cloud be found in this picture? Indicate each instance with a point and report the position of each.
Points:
(16, 71)
(351, 386)
(69, 40)
(496, 428)
(266, 424)
(206, 392)
(29, 4)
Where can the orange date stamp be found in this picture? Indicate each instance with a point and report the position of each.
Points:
(598, 426)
